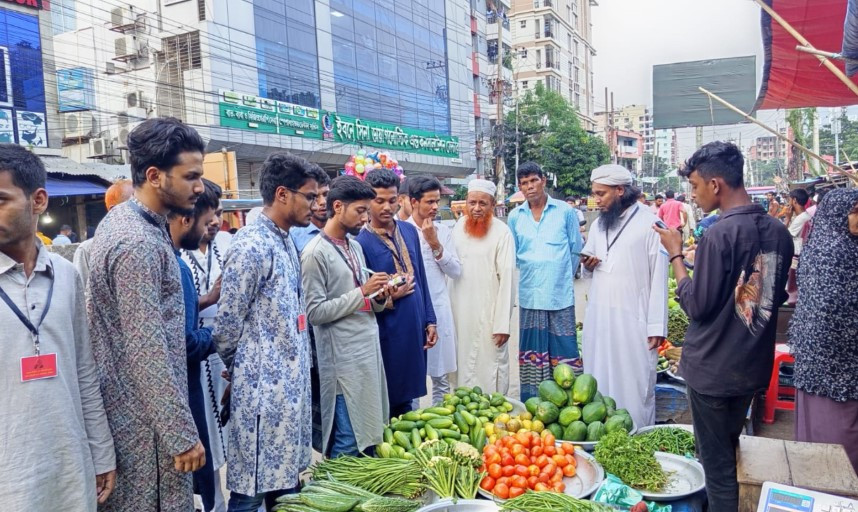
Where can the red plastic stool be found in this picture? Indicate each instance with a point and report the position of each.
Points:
(775, 391)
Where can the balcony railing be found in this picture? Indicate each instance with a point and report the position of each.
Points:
(492, 18)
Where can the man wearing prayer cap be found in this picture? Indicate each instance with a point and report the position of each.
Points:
(482, 296)
(627, 302)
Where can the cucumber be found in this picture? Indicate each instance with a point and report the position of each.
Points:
(329, 503)
(451, 440)
(472, 406)
(431, 433)
(415, 438)
(400, 451)
(420, 424)
(447, 433)
(402, 439)
(466, 389)
(439, 423)
(464, 438)
(461, 423)
(388, 435)
(478, 390)
(410, 416)
(403, 426)
(385, 450)
(440, 411)
(426, 416)
(450, 408)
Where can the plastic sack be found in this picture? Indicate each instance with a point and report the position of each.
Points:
(615, 493)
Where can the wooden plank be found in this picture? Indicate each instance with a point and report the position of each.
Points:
(821, 467)
(759, 460)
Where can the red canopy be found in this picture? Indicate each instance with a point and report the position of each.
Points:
(793, 79)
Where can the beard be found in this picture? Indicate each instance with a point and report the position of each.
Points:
(610, 216)
(478, 228)
(175, 203)
(190, 241)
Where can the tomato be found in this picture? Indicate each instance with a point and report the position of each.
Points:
(523, 438)
(521, 470)
(501, 491)
(532, 481)
(550, 468)
(507, 460)
(536, 441)
(571, 459)
(489, 449)
(542, 461)
(559, 487)
(560, 460)
(549, 439)
(515, 491)
(522, 459)
(519, 481)
(541, 487)
(517, 450)
(483, 469)
(558, 477)
(549, 450)
(544, 478)
(495, 471)
(536, 451)
(569, 470)
(508, 470)
(568, 448)
(487, 484)
(493, 459)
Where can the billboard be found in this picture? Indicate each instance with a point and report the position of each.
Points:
(678, 103)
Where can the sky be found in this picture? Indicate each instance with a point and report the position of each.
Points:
(631, 36)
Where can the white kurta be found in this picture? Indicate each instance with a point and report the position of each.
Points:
(627, 303)
(206, 269)
(441, 359)
(482, 305)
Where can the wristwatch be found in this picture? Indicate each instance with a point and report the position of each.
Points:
(438, 253)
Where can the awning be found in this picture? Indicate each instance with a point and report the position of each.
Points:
(794, 79)
(518, 197)
(72, 187)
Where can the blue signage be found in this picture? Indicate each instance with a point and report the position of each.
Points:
(75, 89)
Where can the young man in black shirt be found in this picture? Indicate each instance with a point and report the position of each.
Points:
(732, 303)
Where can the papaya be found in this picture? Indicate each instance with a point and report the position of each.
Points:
(598, 397)
(595, 431)
(584, 389)
(564, 375)
(547, 412)
(576, 431)
(568, 415)
(629, 424)
(556, 430)
(531, 404)
(551, 392)
(615, 423)
(609, 402)
(594, 411)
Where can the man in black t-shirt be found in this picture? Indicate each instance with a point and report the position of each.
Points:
(732, 303)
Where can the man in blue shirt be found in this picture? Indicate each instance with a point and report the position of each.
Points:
(302, 235)
(547, 244)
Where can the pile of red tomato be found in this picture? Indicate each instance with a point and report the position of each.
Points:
(524, 461)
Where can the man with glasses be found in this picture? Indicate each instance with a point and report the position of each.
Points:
(261, 333)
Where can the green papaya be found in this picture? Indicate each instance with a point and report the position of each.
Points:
(598, 397)
(497, 399)
(478, 390)
(531, 404)
(615, 423)
(576, 431)
(556, 429)
(584, 389)
(568, 415)
(595, 431)
(564, 375)
(627, 421)
(594, 411)
(609, 402)
(547, 412)
(551, 392)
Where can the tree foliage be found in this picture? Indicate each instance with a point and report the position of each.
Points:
(848, 139)
(550, 134)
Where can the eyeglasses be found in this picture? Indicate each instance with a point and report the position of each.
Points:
(311, 198)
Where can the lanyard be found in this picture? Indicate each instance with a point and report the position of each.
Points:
(208, 269)
(349, 263)
(620, 232)
(34, 329)
(292, 259)
(150, 219)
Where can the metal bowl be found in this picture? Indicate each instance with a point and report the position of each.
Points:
(589, 475)
(674, 376)
(591, 445)
(644, 430)
(684, 477)
(449, 505)
(517, 406)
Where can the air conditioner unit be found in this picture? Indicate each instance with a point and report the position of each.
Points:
(134, 99)
(136, 114)
(124, 132)
(99, 147)
(77, 125)
(125, 46)
(121, 17)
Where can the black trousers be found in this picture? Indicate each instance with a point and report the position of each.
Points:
(718, 423)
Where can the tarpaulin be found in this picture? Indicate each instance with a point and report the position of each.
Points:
(794, 79)
(850, 38)
(72, 187)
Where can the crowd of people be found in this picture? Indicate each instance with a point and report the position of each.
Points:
(171, 348)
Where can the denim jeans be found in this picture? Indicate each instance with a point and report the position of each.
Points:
(718, 423)
(344, 440)
(243, 503)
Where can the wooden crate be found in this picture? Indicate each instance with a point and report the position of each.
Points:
(818, 467)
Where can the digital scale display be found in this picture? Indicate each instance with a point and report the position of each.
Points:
(783, 501)
(785, 498)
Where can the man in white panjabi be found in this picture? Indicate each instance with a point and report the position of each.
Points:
(626, 316)
(482, 297)
(441, 262)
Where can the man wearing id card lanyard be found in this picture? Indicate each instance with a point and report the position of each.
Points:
(261, 335)
(353, 396)
(627, 301)
(58, 450)
(136, 320)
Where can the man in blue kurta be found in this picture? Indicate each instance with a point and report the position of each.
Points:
(407, 324)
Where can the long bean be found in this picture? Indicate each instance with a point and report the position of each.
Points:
(551, 502)
(379, 476)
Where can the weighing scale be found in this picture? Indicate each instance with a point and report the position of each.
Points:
(784, 498)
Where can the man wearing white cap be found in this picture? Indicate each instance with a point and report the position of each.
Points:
(627, 304)
(482, 296)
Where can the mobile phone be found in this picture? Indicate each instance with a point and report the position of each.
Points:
(661, 224)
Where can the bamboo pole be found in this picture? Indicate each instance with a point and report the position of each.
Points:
(826, 164)
(793, 32)
(813, 51)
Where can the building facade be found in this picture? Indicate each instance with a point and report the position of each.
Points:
(633, 118)
(666, 147)
(319, 78)
(552, 44)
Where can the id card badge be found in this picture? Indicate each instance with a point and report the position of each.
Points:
(302, 322)
(605, 266)
(366, 306)
(42, 366)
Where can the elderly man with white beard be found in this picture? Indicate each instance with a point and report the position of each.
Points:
(482, 296)
(627, 304)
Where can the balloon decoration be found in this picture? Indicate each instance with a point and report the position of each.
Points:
(362, 163)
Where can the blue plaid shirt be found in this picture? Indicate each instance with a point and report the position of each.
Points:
(546, 254)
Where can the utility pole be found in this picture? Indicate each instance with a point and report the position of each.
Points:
(814, 165)
(698, 137)
(613, 143)
(835, 129)
(499, 165)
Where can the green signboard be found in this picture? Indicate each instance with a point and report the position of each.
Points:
(247, 112)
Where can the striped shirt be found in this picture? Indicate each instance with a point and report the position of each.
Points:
(546, 254)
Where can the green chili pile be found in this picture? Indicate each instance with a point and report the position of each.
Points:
(677, 441)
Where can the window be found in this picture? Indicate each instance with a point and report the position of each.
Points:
(201, 10)
(523, 23)
(523, 53)
(63, 16)
(524, 84)
(569, 40)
